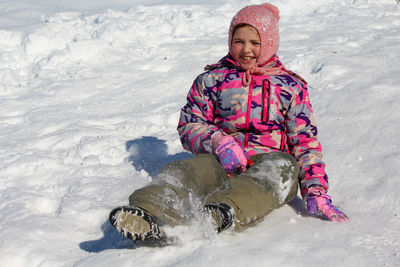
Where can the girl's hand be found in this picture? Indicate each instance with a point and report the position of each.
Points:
(320, 202)
(232, 157)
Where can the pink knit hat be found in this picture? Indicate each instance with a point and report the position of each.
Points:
(264, 18)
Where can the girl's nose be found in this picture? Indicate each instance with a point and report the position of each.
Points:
(246, 48)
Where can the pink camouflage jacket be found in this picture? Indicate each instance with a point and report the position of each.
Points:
(273, 113)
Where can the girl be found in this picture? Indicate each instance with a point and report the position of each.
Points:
(249, 121)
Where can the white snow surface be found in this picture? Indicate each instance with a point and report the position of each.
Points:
(90, 94)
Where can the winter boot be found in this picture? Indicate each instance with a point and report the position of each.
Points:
(222, 214)
(135, 223)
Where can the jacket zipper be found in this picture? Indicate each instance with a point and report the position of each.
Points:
(265, 109)
(248, 113)
(265, 99)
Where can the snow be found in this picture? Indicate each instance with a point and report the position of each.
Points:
(90, 93)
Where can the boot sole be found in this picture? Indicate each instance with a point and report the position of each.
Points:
(135, 223)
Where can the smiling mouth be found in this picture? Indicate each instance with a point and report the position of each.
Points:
(247, 58)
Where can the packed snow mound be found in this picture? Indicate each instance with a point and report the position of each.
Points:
(65, 45)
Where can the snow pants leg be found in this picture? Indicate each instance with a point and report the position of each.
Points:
(268, 184)
(179, 186)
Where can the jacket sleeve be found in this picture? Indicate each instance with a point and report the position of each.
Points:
(303, 143)
(196, 123)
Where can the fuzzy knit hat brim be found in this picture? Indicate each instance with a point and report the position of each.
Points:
(264, 18)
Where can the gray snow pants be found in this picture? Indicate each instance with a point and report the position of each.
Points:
(270, 183)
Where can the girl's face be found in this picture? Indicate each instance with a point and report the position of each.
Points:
(246, 46)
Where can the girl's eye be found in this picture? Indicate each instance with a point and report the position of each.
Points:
(256, 43)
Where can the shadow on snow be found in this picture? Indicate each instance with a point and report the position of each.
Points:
(150, 154)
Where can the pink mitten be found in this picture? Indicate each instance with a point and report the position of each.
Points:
(232, 157)
(319, 201)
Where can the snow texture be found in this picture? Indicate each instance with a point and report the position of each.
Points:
(90, 93)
